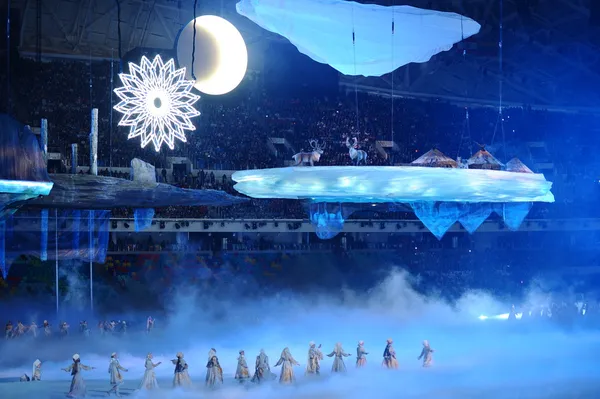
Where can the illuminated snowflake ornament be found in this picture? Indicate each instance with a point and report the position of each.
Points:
(157, 102)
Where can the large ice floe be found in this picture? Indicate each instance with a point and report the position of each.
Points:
(357, 39)
(439, 197)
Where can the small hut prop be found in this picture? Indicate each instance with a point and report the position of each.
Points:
(484, 160)
(515, 165)
(435, 159)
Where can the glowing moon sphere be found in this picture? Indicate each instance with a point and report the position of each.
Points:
(221, 57)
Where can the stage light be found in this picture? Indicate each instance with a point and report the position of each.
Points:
(220, 58)
(156, 102)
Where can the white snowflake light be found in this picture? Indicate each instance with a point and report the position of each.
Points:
(157, 102)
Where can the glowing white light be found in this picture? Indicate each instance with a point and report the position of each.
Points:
(156, 102)
(220, 59)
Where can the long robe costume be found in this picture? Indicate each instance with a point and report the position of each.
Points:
(287, 363)
(313, 367)
(116, 378)
(426, 354)
(361, 355)
(262, 370)
(338, 355)
(47, 329)
(214, 372)
(33, 329)
(181, 376)
(241, 373)
(36, 372)
(389, 356)
(149, 380)
(78, 388)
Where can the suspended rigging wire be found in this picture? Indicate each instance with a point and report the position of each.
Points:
(393, 71)
(110, 115)
(119, 35)
(194, 41)
(466, 130)
(355, 80)
(500, 120)
(8, 96)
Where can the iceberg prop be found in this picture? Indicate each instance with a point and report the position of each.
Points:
(440, 197)
(356, 39)
(383, 184)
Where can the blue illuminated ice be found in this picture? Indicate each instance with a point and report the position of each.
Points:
(440, 197)
(323, 30)
(382, 184)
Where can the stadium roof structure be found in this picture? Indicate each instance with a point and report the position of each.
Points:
(551, 50)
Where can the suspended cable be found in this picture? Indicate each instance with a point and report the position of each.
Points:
(110, 116)
(90, 79)
(8, 96)
(393, 71)
(500, 120)
(119, 35)
(466, 129)
(194, 41)
(355, 80)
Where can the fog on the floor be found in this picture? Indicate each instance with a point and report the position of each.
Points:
(470, 355)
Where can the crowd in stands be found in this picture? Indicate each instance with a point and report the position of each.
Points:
(233, 133)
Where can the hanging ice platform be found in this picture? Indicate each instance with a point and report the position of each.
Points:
(439, 197)
(376, 184)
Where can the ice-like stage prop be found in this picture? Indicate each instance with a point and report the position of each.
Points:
(439, 196)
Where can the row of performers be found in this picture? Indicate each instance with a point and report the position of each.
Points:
(105, 327)
(214, 373)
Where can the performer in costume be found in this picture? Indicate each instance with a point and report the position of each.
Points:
(361, 355)
(47, 328)
(33, 329)
(287, 363)
(181, 377)
(262, 370)
(389, 356)
(36, 373)
(116, 378)
(149, 324)
(313, 367)
(149, 381)
(338, 361)
(77, 389)
(426, 354)
(214, 372)
(241, 373)
(8, 330)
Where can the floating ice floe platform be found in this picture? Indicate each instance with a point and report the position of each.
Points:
(440, 197)
(377, 184)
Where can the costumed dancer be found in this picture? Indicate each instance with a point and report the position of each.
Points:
(241, 373)
(64, 329)
(389, 356)
(287, 363)
(181, 377)
(149, 381)
(8, 330)
(20, 329)
(47, 328)
(36, 372)
(116, 378)
(33, 329)
(426, 354)
(262, 370)
(361, 355)
(77, 389)
(314, 360)
(214, 372)
(149, 324)
(338, 361)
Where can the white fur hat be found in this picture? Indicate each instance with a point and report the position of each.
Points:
(76, 356)
(311, 343)
(114, 354)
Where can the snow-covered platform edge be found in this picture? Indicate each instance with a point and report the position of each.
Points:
(381, 184)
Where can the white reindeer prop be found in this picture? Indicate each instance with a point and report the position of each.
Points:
(310, 157)
(357, 156)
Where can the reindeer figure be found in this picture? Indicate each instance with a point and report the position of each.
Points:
(356, 155)
(310, 157)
